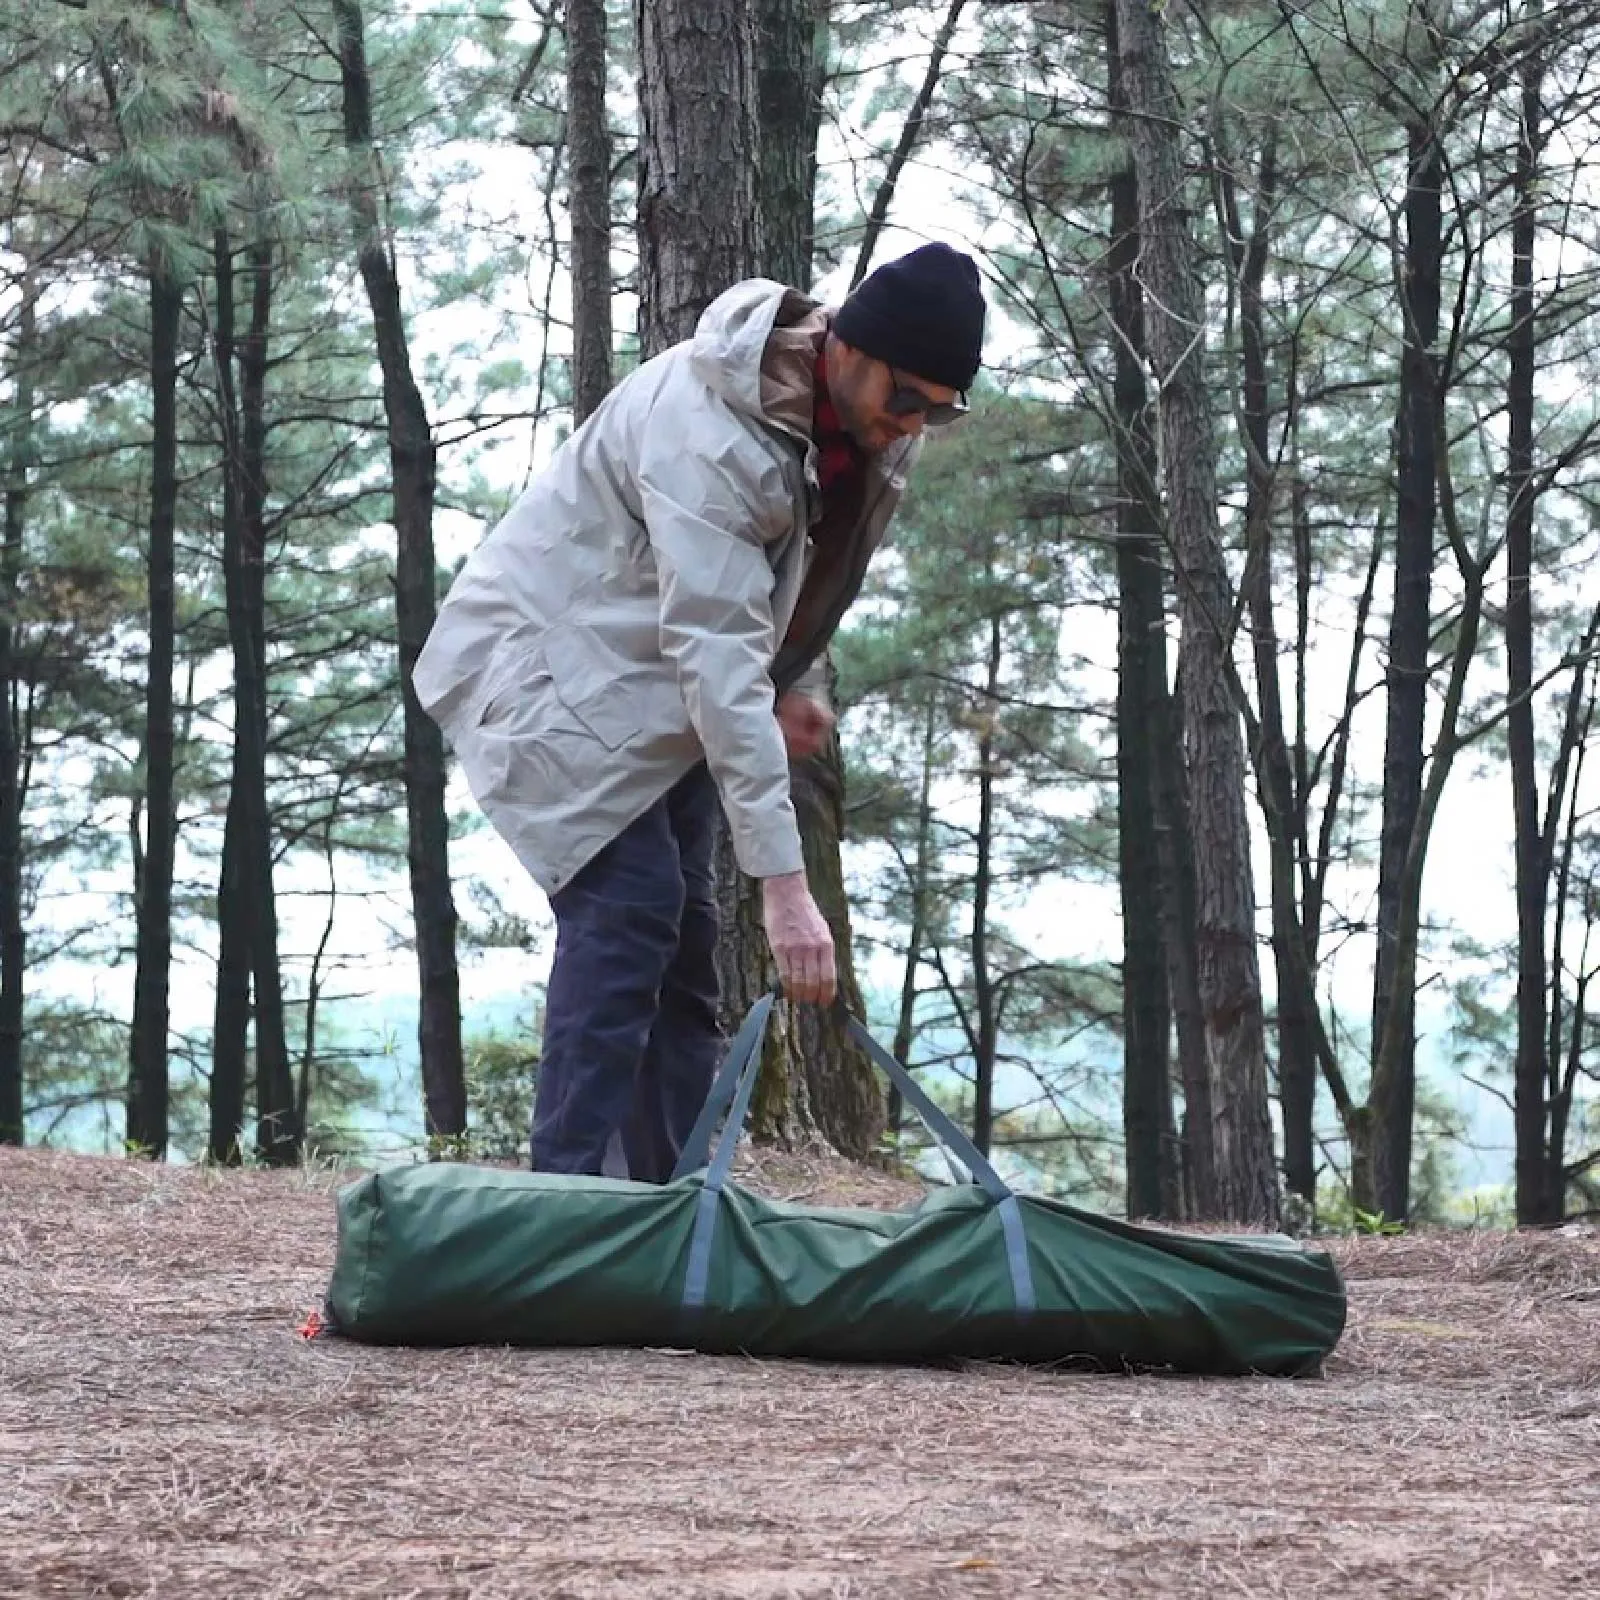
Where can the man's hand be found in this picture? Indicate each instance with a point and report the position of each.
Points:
(802, 944)
(806, 725)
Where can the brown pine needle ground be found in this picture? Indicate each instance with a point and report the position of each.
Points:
(163, 1432)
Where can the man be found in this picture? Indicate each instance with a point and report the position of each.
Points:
(643, 634)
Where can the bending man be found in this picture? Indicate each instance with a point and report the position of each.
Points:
(642, 635)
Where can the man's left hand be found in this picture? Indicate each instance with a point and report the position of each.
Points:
(806, 725)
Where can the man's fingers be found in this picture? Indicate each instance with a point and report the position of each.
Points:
(801, 941)
(822, 972)
(807, 972)
(806, 724)
(788, 970)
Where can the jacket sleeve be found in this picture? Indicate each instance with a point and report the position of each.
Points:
(713, 506)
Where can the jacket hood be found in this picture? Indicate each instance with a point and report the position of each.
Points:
(731, 338)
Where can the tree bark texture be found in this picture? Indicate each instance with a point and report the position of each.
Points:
(1292, 959)
(13, 930)
(1229, 977)
(700, 231)
(589, 161)
(1316, 856)
(1565, 1051)
(248, 944)
(412, 462)
(1180, 930)
(148, 1062)
(1149, 1137)
(917, 890)
(230, 1032)
(845, 1101)
(1535, 1201)
(1382, 1179)
(230, 1016)
(704, 207)
(985, 1001)
(699, 160)
(790, 114)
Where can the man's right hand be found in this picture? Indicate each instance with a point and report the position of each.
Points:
(802, 944)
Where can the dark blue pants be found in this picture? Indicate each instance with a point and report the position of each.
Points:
(631, 1039)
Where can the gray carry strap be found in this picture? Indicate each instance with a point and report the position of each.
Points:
(966, 1152)
(746, 1042)
(698, 1272)
(939, 1125)
(744, 1058)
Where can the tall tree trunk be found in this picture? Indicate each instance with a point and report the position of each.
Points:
(230, 1034)
(13, 931)
(230, 1024)
(984, 999)
(412, 463)
(589, 155)
(1535, 1202)
(699, 230)
(793, 63)
(845, 1102)
(248, 945)
(1180, 914)
(787, 84)
(1154, 1176)
(1565, 1063)
(699, 160)
(917, 929)
(281, 1141)
(1230, 984)
(876, 220)
(1381, 1160)
(147, 1075)
(1316, 857)
(1297, 1063)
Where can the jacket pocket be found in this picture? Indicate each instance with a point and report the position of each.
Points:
(519, 707)
(603, 691)
(516, 681)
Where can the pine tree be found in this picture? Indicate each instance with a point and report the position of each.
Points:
(413, 463)
(1230, 988)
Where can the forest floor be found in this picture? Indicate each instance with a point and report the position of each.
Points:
(165, 1432)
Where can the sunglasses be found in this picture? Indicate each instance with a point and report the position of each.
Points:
(906, 400)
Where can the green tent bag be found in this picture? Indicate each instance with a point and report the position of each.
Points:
(447, 1254)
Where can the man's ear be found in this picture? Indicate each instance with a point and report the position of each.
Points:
(843, 359)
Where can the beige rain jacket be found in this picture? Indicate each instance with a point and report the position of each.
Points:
(621, 623)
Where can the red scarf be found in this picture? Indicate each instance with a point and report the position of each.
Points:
(841, 472)
(839, 457)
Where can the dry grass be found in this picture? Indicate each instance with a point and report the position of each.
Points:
(163, 1432)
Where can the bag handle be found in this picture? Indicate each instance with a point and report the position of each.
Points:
(734, 1086)
(696, 1150)
(943, 1128)
(732, 1090)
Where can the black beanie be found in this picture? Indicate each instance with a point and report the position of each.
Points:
(923, 313)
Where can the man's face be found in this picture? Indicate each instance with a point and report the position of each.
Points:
(878, 404)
